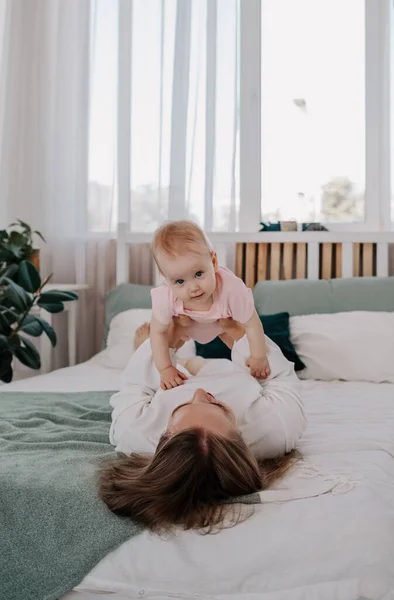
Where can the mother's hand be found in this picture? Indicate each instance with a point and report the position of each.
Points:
(178, 332)
(232, 331)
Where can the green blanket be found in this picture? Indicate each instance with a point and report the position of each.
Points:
(53, 527)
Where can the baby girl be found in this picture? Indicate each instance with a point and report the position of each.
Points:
(201, 293)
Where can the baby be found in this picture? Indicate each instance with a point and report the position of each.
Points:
(202, 293)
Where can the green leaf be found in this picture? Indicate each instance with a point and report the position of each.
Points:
(32, 326)
(14, 342)
(17, 240)
(7, 376)
(28, 276)
(9, 313)
(58, 296)
(9, 272)
(23, 225)
(28, 354)
(41, 236)
(5, 366)
(51, 307)
(14, 251)
(5, 328)
(5, 361)
(49, 331)
(18, 296)
(8, 257)
(3, 342)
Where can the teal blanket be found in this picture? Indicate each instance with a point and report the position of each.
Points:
(53, 527)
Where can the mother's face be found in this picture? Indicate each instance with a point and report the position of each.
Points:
(203, 410)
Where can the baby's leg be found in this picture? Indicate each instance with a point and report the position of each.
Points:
(141, 334)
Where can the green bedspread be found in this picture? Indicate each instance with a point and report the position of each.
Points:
(53, 527)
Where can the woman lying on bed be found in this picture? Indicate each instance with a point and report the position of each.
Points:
(189, 449)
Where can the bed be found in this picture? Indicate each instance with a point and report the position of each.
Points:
(335, 545)
(307, 540)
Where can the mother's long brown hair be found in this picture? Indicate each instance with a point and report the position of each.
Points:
(187, 481)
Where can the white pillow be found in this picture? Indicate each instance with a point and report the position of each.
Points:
(352, 346)
(120, 340)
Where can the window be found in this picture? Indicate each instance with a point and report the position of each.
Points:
(225, 111)
(183, 147)
(313, 110)
(184, 113)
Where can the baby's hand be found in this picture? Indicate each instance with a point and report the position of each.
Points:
(170, 378)
(259, 367)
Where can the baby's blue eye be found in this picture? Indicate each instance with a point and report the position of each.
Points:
(180, 281)
(199, 273)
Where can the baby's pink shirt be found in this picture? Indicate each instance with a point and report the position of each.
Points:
(231, 298)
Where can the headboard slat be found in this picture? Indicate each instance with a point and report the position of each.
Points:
(250, 277)
(288, 252)
(338, 260)
(356, 259)
(368, 252)
(326, 261)
(275, 261)
(301, 261)
(262, 261)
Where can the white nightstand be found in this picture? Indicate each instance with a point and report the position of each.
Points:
(71, 308)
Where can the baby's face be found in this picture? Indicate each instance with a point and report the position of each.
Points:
(190, 276)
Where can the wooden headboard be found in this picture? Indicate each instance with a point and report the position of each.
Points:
(271, 255)
(259, 261)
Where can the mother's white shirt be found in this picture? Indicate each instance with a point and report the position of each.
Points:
(269, 413)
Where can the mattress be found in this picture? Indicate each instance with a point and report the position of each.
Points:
(329, 546)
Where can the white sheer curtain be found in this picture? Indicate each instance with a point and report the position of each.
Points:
(44, 100)
(60, 68)
(44, 91)
(184, 112)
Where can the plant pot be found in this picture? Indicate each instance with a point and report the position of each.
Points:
(35, 258)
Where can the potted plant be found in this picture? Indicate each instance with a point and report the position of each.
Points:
(21, 289)
(17, 244)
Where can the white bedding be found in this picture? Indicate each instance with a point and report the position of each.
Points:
(333, 546)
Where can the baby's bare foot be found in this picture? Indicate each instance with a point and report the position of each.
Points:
(141, 334)
(193, 365)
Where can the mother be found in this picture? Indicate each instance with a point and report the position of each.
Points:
(189, 449)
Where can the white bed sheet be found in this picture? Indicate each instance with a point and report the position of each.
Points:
(87, 376)
(333, 546)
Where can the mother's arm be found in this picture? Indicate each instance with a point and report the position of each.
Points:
(139, 384)
(281, 368)
(277, 421)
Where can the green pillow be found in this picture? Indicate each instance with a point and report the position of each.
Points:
(276, 327)
(124, 297)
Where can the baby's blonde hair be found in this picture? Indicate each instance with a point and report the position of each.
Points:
(173, 237)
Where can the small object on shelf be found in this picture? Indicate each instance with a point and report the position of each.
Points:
(270, 226)
(313, 227)
(288, 225)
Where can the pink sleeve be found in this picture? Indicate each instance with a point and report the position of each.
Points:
(162, 305)
(240, 301)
